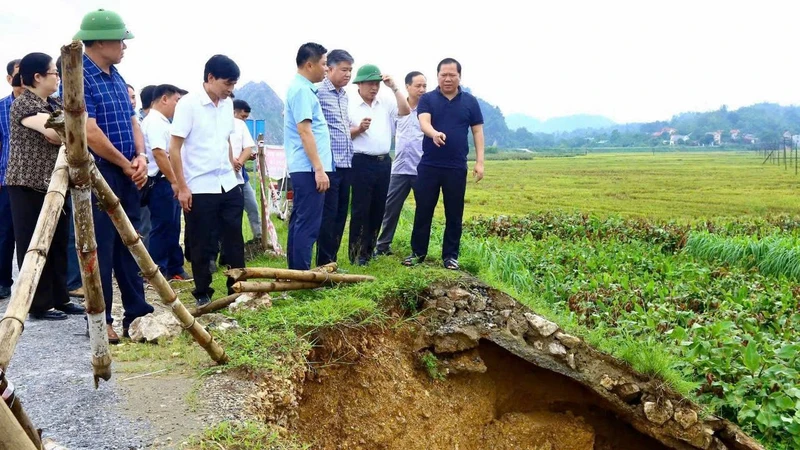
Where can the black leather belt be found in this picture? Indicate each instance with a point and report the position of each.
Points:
(375, 157)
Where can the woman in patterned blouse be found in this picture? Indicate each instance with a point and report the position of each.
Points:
(31, 161)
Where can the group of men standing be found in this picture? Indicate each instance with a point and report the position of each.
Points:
(337, 146)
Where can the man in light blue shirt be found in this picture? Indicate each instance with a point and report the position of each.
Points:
(307, 142)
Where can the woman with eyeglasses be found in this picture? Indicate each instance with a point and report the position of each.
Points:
(31, 160)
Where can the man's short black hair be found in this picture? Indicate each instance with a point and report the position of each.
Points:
(448, 61)
(222, 67)
(410, 77)
(339, 56)
(310, 51)
(130, 87)
(147, 96)
(11, 64)
(162, 90)
(241, 105)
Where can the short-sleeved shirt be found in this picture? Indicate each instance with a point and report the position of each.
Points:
(453, 118)
(156, 131)
(377, 140)
(240, 140)
(205, 127)
(107, 101)
(32, 159)
(5, 134)
(408, 144)
(335, 108)
(302, 104)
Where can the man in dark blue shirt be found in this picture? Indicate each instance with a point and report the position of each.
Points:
(6, 228)
(116, 141)
(445, 115)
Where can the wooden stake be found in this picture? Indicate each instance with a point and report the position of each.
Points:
(80, 163)
(299, 275)
(260, 162)
(273, 286)
(110, 203)
(12, 436)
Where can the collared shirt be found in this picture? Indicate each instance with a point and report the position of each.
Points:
(205, 128)
(5, 135)
(31, 158)
(240, 140)
(156, 130)
(408, 144)
(335, 108)
(302, 104)
(453, 118)
(377, 140)
(107, 101)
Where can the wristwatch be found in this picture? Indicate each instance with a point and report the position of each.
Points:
(146, 159)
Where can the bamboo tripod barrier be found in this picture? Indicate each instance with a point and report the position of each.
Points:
(12, 323)
(262, 161)
(13, 436)
(72, 131)
(72, 57)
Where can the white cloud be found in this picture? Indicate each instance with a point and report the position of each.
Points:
(629, 60)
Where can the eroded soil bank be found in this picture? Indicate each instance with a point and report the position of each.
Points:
(371, 390)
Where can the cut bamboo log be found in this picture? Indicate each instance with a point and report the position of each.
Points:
(216, 305)
(110, 203)
(298, 275)
(12, 436)
(10, 399)
(330, 268)
(273, 286)
(80, 163)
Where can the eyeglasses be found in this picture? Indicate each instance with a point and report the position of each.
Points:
(54, 73)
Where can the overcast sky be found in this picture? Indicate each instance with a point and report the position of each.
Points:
(628, 60)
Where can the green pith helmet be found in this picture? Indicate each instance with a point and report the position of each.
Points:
(102, 25)
(368, 72)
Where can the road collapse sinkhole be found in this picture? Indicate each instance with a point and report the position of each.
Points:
(475, 369)
(389, 398)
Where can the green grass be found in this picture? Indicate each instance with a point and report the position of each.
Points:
(243, 436)
(663, 186)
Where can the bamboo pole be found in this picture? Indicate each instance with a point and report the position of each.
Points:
(10, 399)
(110, 203)
(12, 436)
(298, 275)
(273, 286)
(261, 161)
(216, 305)
(80, 163)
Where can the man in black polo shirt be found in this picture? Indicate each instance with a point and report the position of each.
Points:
(445, 115)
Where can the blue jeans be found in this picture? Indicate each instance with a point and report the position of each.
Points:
(165, 214)
(112, 255)
(6, 239)
(305, 220)
(73, 265)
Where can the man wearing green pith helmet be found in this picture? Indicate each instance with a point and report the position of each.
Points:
(117, 143)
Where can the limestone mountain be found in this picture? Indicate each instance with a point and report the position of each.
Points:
(265, 105)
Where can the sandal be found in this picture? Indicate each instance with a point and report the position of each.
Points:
(451, 264)
(413, 260)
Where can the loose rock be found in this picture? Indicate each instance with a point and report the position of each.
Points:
(571, 361)
(466, 362)
(607, 382)
(628, 392)
(152, 327)
(556, 349)
(686, 417)
(543, 326)
(568, 340)
(658, 413)
(459, 340)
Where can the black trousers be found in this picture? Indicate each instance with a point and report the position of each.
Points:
(334, 215)
(370, 177)
(213, 216)
(453, 184)
(26, 204)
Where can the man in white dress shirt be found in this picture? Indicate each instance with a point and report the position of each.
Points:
(371, 127)
(208, 189)
(165, 211)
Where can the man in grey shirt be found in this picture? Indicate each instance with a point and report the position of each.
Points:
(408, 151)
